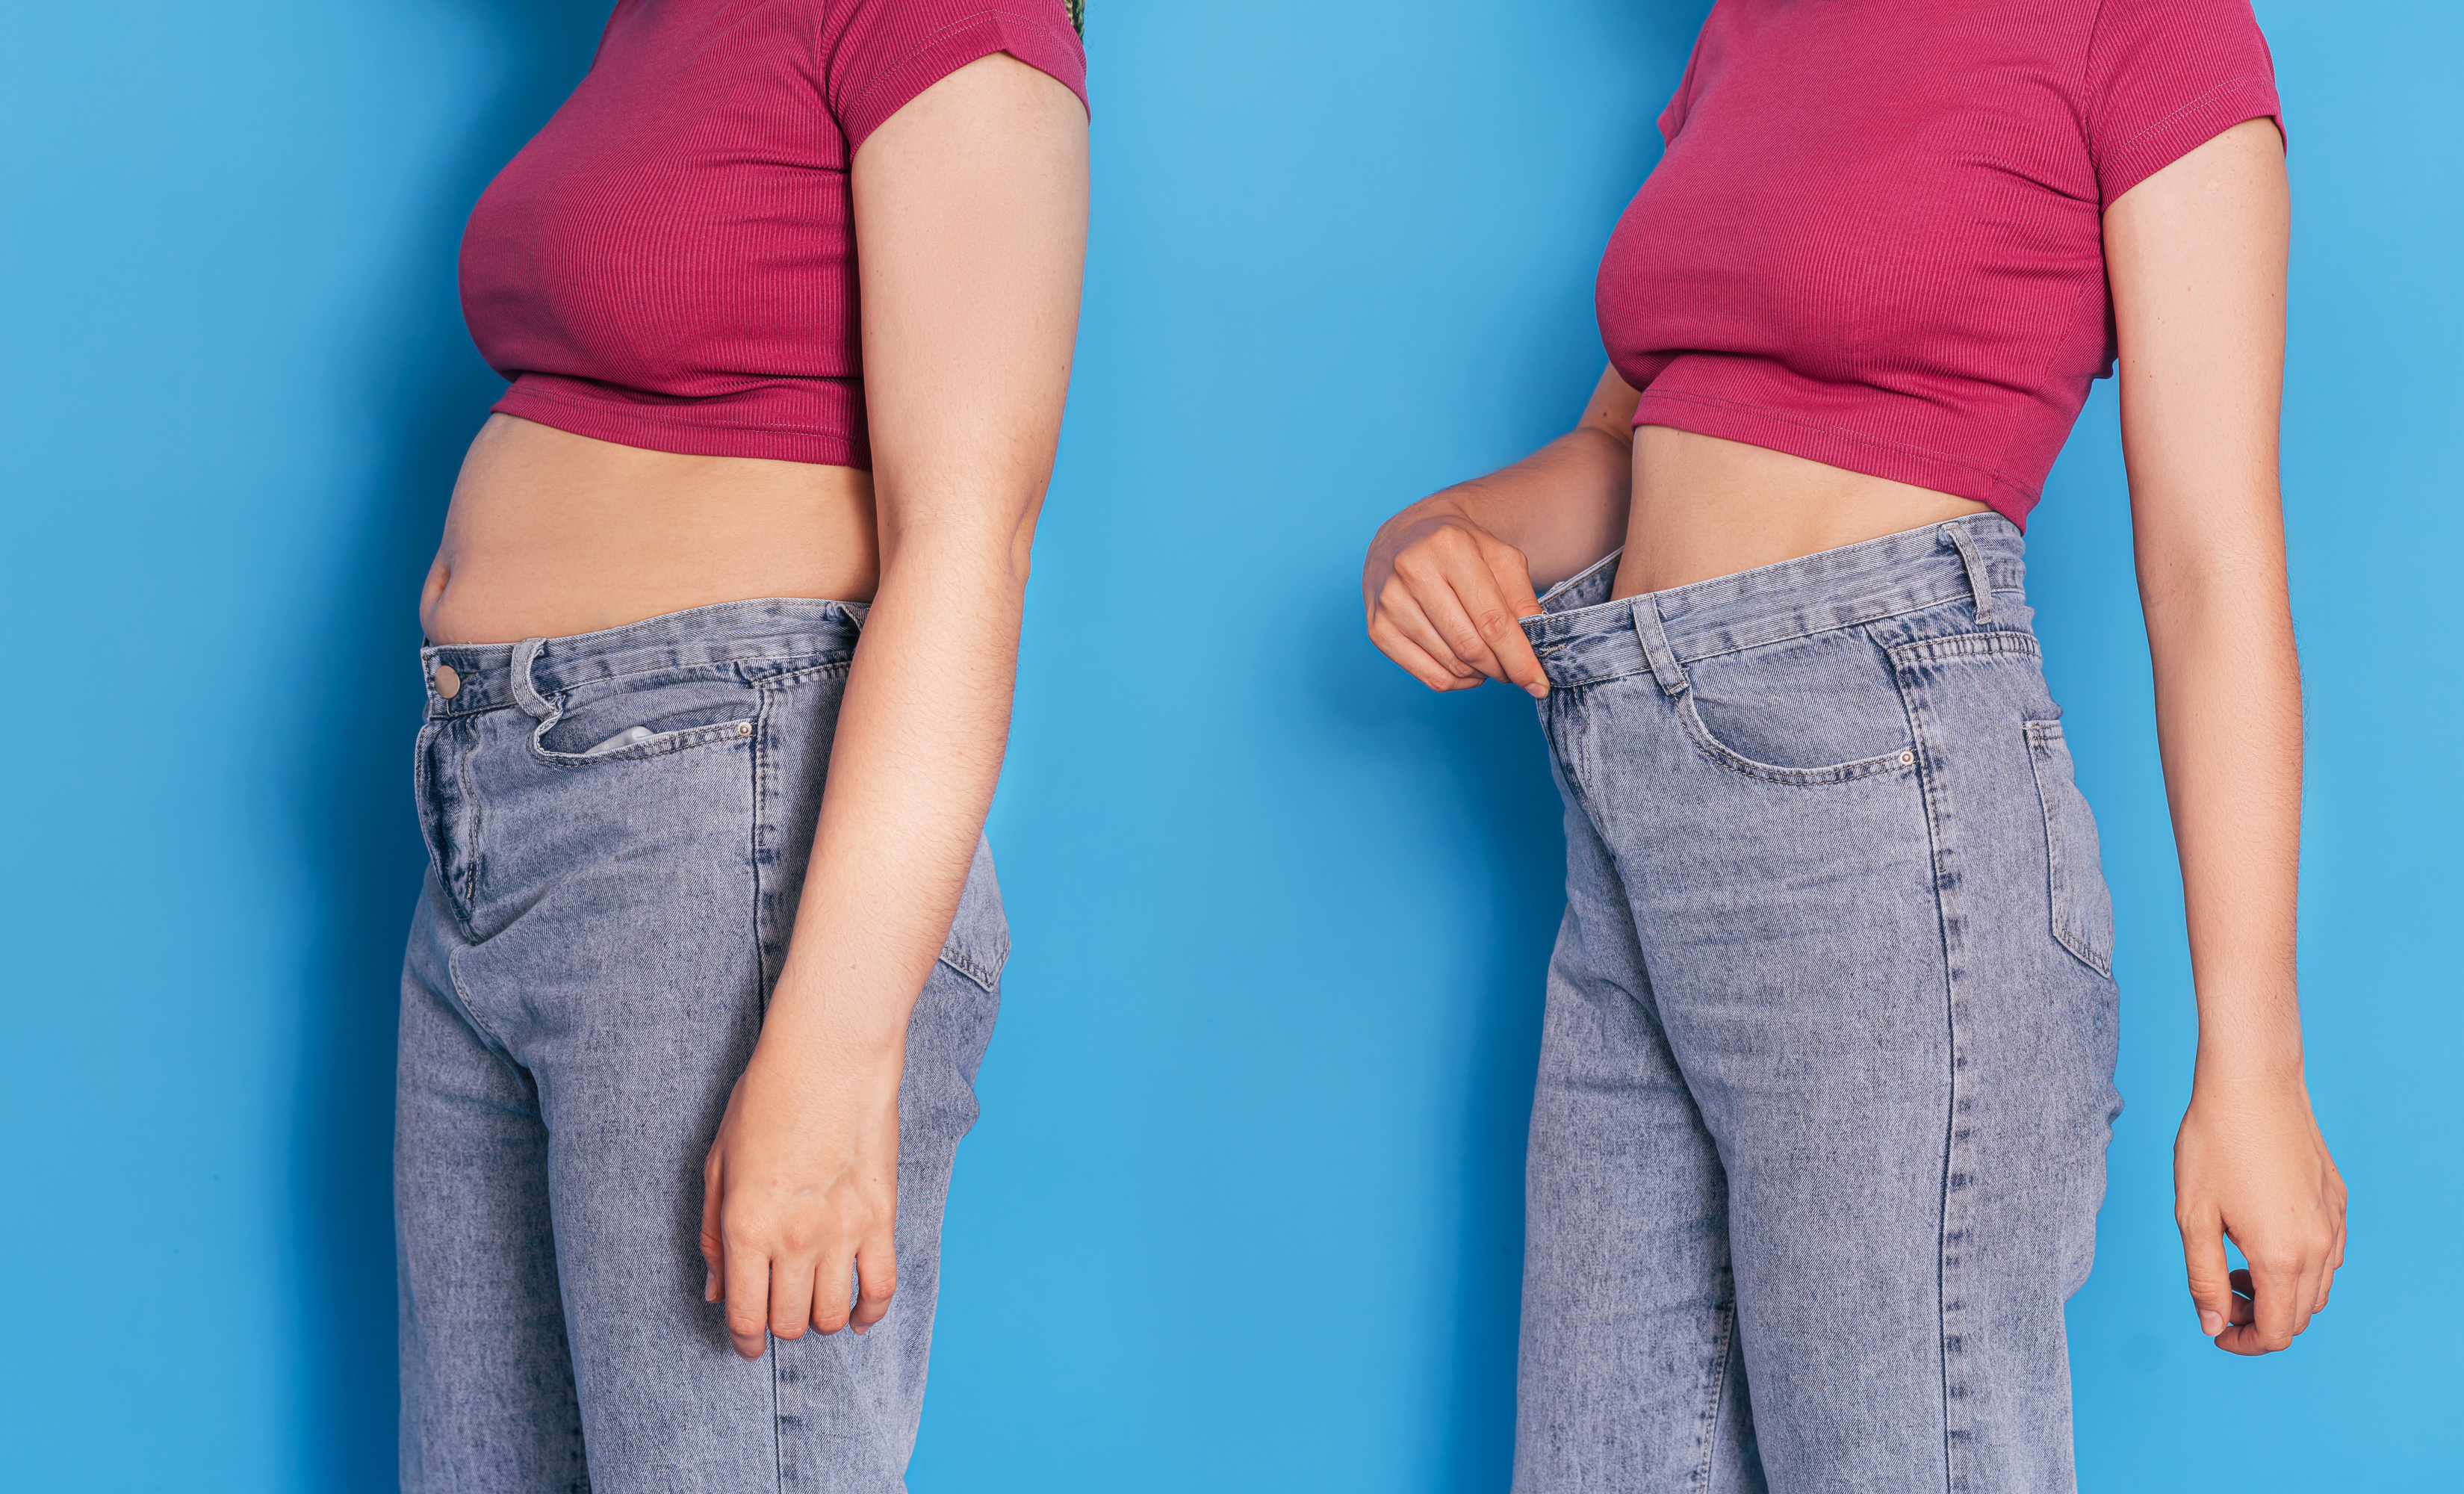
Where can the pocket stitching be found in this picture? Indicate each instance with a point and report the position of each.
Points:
(659, 746)
(2042, 734)
(1735, 761)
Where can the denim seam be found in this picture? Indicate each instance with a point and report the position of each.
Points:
(665, 744)
(1981, 644)
(2041, 733)
(772, 963)
(732, 663)
(467, 908)
(1719, 1388)
(1782, 638)
(497, 1048)
(1946, 880)
(1729, 757)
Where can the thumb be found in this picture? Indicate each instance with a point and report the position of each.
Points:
(2203, 1251)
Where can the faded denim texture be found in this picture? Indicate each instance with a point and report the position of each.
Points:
(585, 980)
(1826, 1079)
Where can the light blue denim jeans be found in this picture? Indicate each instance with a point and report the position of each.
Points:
(585, 980)
(1826, 1077)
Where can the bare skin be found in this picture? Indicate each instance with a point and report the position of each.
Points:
(551, 534)
(970, 217)
(2196, 254)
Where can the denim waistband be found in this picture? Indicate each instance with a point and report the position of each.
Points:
(1582, 637)
(729, 632)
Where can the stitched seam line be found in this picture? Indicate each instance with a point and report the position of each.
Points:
(1719, 1391)
(2030, 645)
(662, 669)
(1727, 757)
(635, 413)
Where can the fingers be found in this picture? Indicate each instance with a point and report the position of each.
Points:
(713, 1258)
(876, 1275)
(747, 1280)
(2279, 1311)
(831, 1291)
(1403, 634)
(2203, 1253)
(1458, 597)
(1513, 646)
(792, 1298)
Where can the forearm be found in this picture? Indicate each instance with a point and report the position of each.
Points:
(1564, 506)
(2229, 718)
(913, 761)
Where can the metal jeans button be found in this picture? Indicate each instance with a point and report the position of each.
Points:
(449, 681)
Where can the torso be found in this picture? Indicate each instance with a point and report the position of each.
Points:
(1705, 507)
(1875, 245)
(553, 534)
(666, 272)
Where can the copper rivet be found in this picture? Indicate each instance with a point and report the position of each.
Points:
(1907, 758)
(743, 728)
(449, 682)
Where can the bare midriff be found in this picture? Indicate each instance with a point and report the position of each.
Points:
(551, 534)
(1705, 507)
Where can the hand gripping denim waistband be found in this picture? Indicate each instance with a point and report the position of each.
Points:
(463, 678)
(1583, 638)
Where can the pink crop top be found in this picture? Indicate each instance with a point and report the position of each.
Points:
(1876, 239)
(671, 262)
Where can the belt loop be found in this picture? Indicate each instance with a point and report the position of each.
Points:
(1654, 639)
(1980, 585)
(527, 694)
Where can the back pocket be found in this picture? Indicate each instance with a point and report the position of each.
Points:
(2082, 908)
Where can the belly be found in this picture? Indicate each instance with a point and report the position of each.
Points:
(551, 534)
(1704, 507)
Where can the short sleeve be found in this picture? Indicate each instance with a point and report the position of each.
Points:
(1673, 118)
(878, 55)
(2165, 77)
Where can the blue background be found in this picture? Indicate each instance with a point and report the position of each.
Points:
(1244, 1210)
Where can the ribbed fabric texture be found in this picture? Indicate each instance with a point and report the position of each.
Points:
(670, 263)
(1877, 237)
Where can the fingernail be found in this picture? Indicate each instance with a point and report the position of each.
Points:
(2212, 1324)
(710, 1285)
(1538, 692)
(859, 1328)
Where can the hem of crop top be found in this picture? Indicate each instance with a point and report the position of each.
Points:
(1777, 430)
(627, 425)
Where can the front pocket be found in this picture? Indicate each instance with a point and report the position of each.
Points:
(1820, 709)
(666, 712)
(2082, 906)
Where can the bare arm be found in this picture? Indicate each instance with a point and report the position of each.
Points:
(1448, 578)
(970, 210)
(2197, 259)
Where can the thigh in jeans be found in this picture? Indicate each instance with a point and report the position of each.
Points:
(1800, 830)
(622, 913)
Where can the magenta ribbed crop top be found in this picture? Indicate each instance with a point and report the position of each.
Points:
(1876, 239)
(671, 262)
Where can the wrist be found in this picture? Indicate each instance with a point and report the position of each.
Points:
(2250, 1074)
(805, 1036)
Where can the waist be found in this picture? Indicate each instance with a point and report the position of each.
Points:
(761, 637)
(1584, 635)
(1705, 506)
(554, 534)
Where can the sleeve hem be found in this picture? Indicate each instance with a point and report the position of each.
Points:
(894, 87)
(2234, 101)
